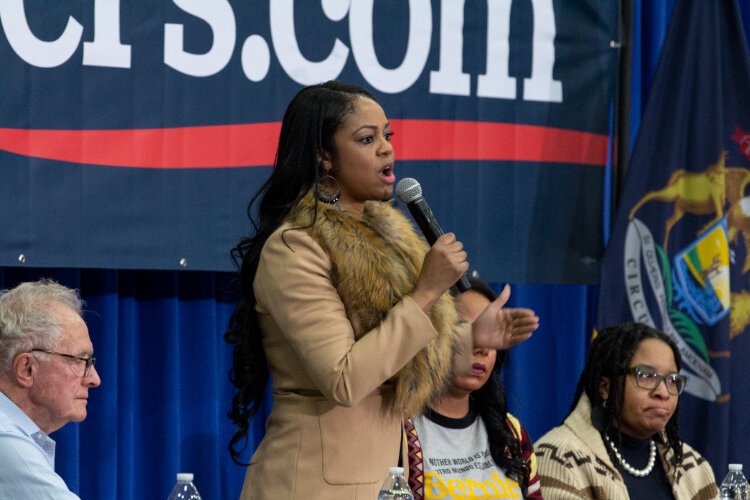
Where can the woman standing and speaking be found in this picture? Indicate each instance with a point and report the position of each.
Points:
(344, 305)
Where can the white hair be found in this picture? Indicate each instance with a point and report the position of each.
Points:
(26, 320)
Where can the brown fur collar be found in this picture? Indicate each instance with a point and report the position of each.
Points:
(376, 261)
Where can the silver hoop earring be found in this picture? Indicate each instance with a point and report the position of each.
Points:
(324, 193)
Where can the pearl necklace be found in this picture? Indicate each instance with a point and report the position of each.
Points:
(629, 468)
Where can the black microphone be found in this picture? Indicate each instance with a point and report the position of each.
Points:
(409, 191)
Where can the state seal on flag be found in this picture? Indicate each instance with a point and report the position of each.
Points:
(701, 276)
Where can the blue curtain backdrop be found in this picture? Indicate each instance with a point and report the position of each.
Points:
(160, 352)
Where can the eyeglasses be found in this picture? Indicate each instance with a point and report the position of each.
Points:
(648, 378)
(89, 361)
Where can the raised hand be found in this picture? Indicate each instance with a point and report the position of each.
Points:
(501, 328)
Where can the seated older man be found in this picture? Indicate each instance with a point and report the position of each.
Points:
(46, 371)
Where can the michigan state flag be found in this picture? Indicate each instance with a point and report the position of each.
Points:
(679, 255)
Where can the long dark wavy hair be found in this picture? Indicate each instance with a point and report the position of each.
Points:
(609, 357)
(312, 118)
(489, 401)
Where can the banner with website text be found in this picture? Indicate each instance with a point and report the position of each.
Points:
(132, 135)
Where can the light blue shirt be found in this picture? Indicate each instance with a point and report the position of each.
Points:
(27, 458)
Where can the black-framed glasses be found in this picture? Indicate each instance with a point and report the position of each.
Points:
(647, 377)
(89, 361)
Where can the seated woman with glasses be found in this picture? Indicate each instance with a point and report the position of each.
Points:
(620, 439)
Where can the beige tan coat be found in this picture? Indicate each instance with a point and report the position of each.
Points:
(328, 436)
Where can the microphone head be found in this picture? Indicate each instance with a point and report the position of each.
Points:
(408, 190)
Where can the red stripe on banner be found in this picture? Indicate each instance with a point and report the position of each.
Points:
(218, 146)
(250, 145)
(460, 140)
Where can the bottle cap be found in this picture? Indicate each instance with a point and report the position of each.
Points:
(735, 466)
(395, 471)
(184, 476)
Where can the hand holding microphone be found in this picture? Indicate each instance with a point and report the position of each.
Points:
(496, 327)
(445, 264)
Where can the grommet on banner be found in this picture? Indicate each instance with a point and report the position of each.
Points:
(22, 259)
(183, 262)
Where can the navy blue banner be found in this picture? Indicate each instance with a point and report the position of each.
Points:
(679, 256)
(133, 136)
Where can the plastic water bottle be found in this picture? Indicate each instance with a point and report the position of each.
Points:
(184, 489)
(395, 487)
(735, 484)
